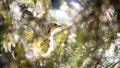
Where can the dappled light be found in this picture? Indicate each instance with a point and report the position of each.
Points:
(59, 34)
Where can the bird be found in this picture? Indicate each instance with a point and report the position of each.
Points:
(52, 26)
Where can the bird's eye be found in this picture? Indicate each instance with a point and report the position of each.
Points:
(54, 24)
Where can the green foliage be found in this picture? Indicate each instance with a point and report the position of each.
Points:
(39, 40)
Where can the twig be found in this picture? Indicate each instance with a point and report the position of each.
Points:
(51, 43)
(115, 64)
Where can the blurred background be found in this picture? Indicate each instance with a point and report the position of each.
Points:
(59, 34)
